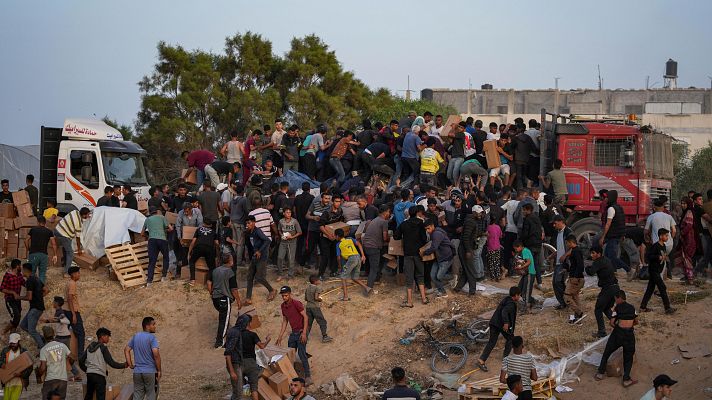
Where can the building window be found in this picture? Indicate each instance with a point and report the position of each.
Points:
(502, 109)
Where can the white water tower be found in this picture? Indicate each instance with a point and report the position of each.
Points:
(670, 77)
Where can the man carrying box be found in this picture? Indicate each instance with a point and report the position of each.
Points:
(13, 388)
(293, 313)
(70, 227)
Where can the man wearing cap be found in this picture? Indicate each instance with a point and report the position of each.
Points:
(54, 358)
(155, 228)
(293, 313)
(662, 388)
(608, 283)
(13, 388)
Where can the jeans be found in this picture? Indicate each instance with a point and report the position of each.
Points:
(295, 343)
(39, 265)
(619, 338)
(453, 169)
(374, 257)
(200, 176)
(611, 253)
(438, 274)
(14, 309)
(29, 324)
(338, 168)
(399, 170)
(654, 281)
(96, 386)
(144, 386)
(154, 247)
(257, 273)
(224, 307)
(66, 245)
(238, 233)
(288, 250)
(536, 254)
(558, 282)
(479, 265)
(526, 285)
(494, 336)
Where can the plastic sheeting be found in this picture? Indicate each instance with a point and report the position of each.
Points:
(18, 162)
(110, 226)
(296, 179)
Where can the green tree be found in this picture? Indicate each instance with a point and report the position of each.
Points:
(126, 131)
(694, 174)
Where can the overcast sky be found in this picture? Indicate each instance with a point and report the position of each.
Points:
(84, 58)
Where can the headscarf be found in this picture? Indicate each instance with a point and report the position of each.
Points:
(419, 121)
(241, 326)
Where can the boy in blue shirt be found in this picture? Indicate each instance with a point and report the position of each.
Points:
(525, 265)
(349, 253)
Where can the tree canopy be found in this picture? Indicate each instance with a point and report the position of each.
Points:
(193, 99)
(692, 173)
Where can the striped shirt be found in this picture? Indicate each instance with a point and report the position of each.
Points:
(519, 364)
(263, 221)
(71, 225)
(317, 208)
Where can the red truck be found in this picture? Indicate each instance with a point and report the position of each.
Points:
(612, 154)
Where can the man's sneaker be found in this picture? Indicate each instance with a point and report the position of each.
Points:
(572, 318)
(326, 339)
(148, 284)
(441, 295)
(217, 345)
(670, 310)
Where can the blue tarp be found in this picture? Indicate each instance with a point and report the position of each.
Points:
(296, 179)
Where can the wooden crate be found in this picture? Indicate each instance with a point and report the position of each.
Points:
(126, 266)
(492, 386)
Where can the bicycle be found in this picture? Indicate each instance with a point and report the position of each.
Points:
(476, 332)
(447, 357)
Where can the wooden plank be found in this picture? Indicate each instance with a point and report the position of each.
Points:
(125, 265)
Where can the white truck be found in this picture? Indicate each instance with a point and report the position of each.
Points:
(78, 160)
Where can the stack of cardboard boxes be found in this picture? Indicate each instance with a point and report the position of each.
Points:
(274, 382)
(15, 223)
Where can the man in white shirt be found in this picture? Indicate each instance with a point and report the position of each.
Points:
(660, 219)
(514, 383)
(662, 388)
(437, 128)
(510, 231)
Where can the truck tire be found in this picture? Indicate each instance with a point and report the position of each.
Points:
(585, 230)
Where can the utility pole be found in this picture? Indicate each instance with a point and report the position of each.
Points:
(647, 82)
(710, 78)
(600, 81)
(556, 82)
(407, 91)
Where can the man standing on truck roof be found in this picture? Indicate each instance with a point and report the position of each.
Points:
(613, 231)
(197, 160)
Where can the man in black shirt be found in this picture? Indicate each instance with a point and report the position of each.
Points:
(240, 357)
(374, 156)
(574, 265)
(622, 336)
(203, 245)
(657, 261)
(35, 296)
(502, 322)
(157, 200)
(532, 236)
(327, 241)
(130, 198)
(181, 198)
(37, 240)
(400, 389)
(608, 283)
(412, 232)
(5, 195)
(105, 200)
(301, 206)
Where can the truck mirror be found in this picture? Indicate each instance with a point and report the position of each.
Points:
(86, 157)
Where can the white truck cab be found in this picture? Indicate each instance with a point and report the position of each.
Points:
(80, 159)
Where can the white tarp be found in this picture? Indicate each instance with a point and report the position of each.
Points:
(109, 226)
(18, 162)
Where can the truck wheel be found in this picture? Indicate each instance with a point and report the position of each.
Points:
(586, 230)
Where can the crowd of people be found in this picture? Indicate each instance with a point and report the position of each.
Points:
(456, 221)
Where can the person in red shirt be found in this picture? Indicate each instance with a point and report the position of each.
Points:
(293, 313)
(197, 160)
(12, 283)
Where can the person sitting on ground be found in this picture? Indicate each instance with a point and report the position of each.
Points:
(400, 390)
(94, 362)
(662, 388)
(298, 391)
(519, 364)
(622, 336)
(350, 255)
(514, 384)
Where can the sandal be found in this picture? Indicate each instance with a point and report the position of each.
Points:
(342, 298)
(481, 366)
(629, 383)
(406, 305)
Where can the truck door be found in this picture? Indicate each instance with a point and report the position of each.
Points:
(84, 181)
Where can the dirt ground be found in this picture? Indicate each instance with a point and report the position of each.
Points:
(366, 333)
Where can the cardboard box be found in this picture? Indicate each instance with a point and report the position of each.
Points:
(192, 178)
(189, 232)
(112, 391)
(20, 197)
(85, 260)
(7, 210)
(252, 312)
(285, 366)
(491, 153)
(448, 127)
(17, 223)
(279, 383)
(265, 392)
(13, 237)
(24, 210)
(331, 228)
(171, 217)
(25, 222)
(360, 229)
(201, 276)
(429, 257)
(272, 350)
(19, 364)
(23, 232)
(395, 247)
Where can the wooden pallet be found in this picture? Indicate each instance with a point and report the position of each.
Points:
(126, 266)
(488, 396)
(492, 386)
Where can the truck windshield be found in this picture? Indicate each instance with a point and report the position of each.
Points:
(124, 168)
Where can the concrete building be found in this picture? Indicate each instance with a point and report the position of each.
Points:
(686, 114)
